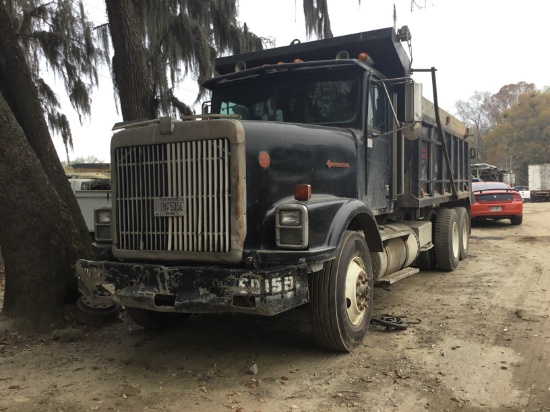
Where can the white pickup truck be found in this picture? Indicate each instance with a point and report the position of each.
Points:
(91, 193)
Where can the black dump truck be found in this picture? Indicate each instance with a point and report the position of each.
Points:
(316, 171)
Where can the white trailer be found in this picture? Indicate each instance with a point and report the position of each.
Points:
(539, 182)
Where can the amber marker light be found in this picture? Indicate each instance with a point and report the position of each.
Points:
(298, 61)
(364, 57)
(302, 192)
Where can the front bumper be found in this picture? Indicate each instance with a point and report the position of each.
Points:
(196, 289)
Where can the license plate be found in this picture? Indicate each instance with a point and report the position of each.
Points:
(496, 208)
(252, 285)
(169, 206)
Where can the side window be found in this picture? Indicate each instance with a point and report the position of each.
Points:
(377, 111)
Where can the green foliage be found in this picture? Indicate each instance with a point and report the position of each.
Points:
(506, 97)
(483, 112)
(57, 35)
(184, 37)
(181, 38)
(522, 136)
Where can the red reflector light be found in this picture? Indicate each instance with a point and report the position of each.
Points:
(302, 192)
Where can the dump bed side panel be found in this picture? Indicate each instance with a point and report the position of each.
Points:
(430, 180)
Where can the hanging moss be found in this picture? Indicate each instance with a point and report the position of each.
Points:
(60, 35)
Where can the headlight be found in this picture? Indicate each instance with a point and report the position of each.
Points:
(103, 224)
(292, 227)
(104, 216)
(290, 218)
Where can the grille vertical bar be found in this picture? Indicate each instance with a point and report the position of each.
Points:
(197, 173)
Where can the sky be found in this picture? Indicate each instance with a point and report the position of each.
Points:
(475, 45)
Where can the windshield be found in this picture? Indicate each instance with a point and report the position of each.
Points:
(306, 97)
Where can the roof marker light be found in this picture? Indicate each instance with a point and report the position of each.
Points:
(343, 54)
(240, 66)
(364, 57)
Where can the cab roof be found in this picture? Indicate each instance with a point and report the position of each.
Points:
(382, 45)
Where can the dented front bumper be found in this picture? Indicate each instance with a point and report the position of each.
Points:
(196, 289)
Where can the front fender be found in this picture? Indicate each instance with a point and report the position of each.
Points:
(330, 217)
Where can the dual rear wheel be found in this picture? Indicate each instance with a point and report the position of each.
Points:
(451, 233)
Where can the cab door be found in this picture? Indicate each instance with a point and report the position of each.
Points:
(378, 147)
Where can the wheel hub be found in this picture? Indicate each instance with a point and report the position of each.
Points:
(357, 291)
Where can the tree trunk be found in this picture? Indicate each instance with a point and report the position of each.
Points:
(42, 229)
(37, 234)
(19, 90)
(130, 62)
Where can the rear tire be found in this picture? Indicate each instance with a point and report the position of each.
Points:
(150, 319)
(463, 231)
(342, 295)
(516, 220)
(447, 244)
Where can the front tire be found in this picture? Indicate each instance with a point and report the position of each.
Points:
(342, 296)
(447, 244)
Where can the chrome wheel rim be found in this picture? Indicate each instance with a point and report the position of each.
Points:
(455, 241)
(357, 291)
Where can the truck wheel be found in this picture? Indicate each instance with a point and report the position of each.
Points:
(463, 231)
(91, 311)
(342, 295)
(516, 220)
(150, 319)
(447, 239)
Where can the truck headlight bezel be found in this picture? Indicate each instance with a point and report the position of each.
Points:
(292, 227)
(102, 224)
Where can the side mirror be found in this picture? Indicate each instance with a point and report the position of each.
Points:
(413, 111)
(473, 153)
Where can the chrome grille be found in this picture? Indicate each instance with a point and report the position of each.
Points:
(196, 172)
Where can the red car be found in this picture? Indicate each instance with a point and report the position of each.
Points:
(496, 200)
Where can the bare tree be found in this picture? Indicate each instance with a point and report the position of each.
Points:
(474, 113)
(506, 97)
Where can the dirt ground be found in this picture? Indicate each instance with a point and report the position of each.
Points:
(479, 340)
